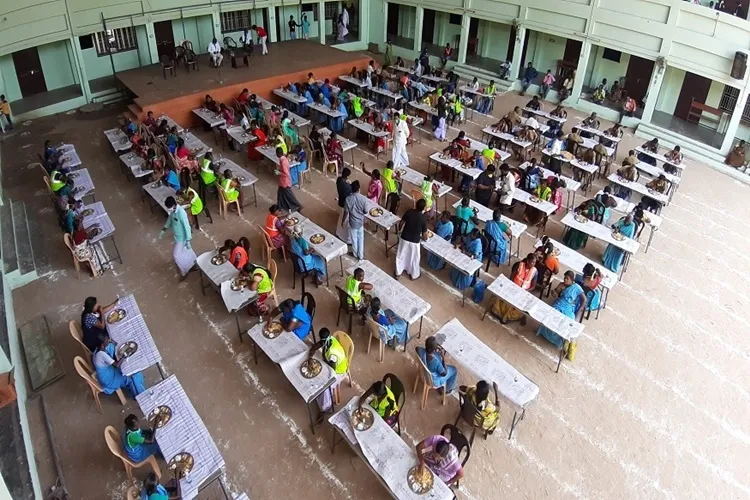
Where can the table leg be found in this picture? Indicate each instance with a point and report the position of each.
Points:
(560, 358)
(255, 352)
(325, 263)
(419, 334)
(463, 296)
(486, 310)
(515, 422)
(203, 289)
(162, 370)
(117, 250)
(237, 320)
(341, 261)
(309, 414)
(650, 237)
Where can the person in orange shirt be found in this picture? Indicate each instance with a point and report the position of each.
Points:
(239, 254)
(275, 227)
(5, 110)
(524, 275)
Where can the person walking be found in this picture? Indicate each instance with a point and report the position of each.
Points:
(285, 198)
(183, 255)
(343, 189)
(262, 37)
(400, 135)
(413, 229)
(355, 209)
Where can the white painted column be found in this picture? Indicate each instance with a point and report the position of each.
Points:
(271, 28)
(654, 87)
(583, 60)
(151, 35)
(418, 30)
(515, 64)
(216, 20)
(322, 22)
(734, 122)
(463, 42)
(80, 69)
(364, 21)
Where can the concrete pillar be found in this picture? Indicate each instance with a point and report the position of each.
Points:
(363, 18)
(463, 42)
(322, 22)
(80, 69)
(515, 64)
(583, 60)
(151, 35)
(654, 87)
(734, 122)
(273, 36)
(418, 30)
(216, 21)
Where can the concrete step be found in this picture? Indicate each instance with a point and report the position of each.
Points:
(484, 76)
(24, 253)
(134, 108)
(7, 232)
(38, 249)
(129, 115)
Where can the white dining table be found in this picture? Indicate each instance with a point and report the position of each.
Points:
(660, 157)
(290, 96)
(457, 259)
(133, 328)
(485, 364)
(83, 185)
(484, 214)
(353, 81)
(639, 188)
(546, 115)
(212, 119)
(118, 140)
(245, 178)
(652, 220)
(329, 249)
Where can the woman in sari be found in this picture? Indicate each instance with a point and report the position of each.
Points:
(108, 372)
(227, 114)
(465, 213)
(185, 158)
(394, 328)
(443, 229)
(84, 250)
(614, 256)
(287, 127)
(570, 301)
(337, 124)
(472, 246)
(256, 113)
(261, 140)
(523, 274)
(500, 233)
(736, 157)
(489, 413)
(575, 239)
(441, 457)
(334, 150)
(312, 262)
(375, 188)
(590, 281)
(546, 257)
(433, 357)
(557, 186)
(532, 215)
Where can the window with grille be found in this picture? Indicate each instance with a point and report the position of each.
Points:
(116, 40)
(235, 21)
(332, 10)
(729, 101)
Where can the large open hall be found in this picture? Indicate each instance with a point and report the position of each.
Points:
(381, 260)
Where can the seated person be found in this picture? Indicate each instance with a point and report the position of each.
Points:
(92, 321)
(261, 282)
(334, 356)
(591, 122)
(355, 286)
(226, 113)
(524, 274)
(85, 250)
(171, 179)
(238, 252)
(441, 457)
(108, 371)
(559, 112)
(275, 226)
(294, 318)
(395, 328)
(615, 92)
(600, 92)
(674, 156)
(261, 140)
(60, 184)
(571, 300)
(383, 401)
(153, 490)
(736, 157)
(311, 261)
(232, 188)
(210, 104)
(244, 96)
(534, 104)
(651, 146)
(489, 412)
(500, 235)
(660, 185)
(631, 159)
(433, 357)
(139, 443)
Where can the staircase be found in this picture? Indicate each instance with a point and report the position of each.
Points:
(484, 76)
(134, 112)
(23, 254)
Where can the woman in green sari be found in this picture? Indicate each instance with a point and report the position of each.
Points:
(288, 128)
(575, 239)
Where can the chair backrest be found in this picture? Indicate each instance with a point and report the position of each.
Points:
(469, 412)
(299, 264)
(416, 195)
(76, 333)
(308, 302)
(222, 193)
(229, 42)
(426, 374)
(85, 370)
(347, 343)
(114, 443)
(491, 242)
(47, 182)
(458, 440)
(374, 328)
(273, 269)
(345, 301)
(397, 388)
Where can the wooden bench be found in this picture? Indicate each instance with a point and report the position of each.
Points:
(697, 110)
(43, 361)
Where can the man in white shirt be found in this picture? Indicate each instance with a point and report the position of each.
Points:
(555, 149)
(370, 68)
(345, 16)
(530, 122)
(417, 68)
(400, 135)
(506, 186)
(214, 51)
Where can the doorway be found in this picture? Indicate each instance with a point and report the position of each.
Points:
(637, 77)
(392, 28)
(694, 88)
(428, 27)
(29, 72)
(164, 38)
(473, 46)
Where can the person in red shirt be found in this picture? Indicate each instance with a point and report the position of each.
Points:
(262, 36)
(285, 198)
(252, 147)
(243, 97)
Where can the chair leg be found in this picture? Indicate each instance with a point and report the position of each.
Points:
(121, 396)
(154, 465)
(97, 400)
(129, 472)
(369, 342)
(350, 378)
(338, 318)
(445, 390)
(382, 350)
(416, 383)
(425, 394)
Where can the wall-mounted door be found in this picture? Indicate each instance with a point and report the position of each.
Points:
(29, 72)
(164, 38)
(694, 88)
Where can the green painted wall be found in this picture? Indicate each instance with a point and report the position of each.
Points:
(494, 39)
(294, 10)
(98, 67)
(546, 51)
(445, 32)
(9, 83)
(56, 65)
(199, 30)
(599, 68)
(670, 90)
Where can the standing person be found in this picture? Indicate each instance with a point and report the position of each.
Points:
(400, 135)
(413, 229)
(506, 188)
(177, 220)
(388, 53)
(447, 54)
(285, 198)
(628, 106)
(485, 185)
(355, 209)
(343, 189)
(214, 51)
(305, 27)
(293, 28)
(262, 37)
(5, 110)
(345, 16)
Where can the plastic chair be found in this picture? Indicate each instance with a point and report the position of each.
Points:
(416, 195)
(224, 202)
(270, 246)
(348, 345)
(399, 392)
(273, 269)
(373, 328)
(427, 383)
(458, 440)
(76, 333)
(86, 372)
(167, 64)
(313, 152)
(114, 443)
(306, 172)
(134, 493)
(470, 414)
(68, 239)
(327, 162)
(308, 302)
(346, 303)
(298, 267)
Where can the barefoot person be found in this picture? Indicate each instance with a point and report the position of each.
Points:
(177, 220)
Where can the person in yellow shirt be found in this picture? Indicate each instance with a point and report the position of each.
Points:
(5, 110)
